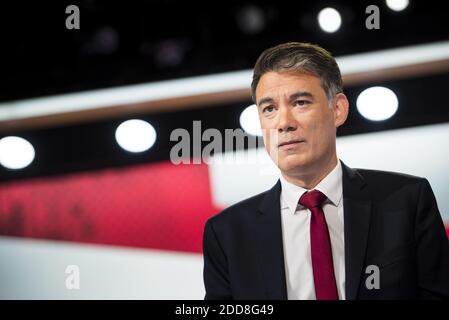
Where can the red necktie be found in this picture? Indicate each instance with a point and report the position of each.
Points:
(322, 264)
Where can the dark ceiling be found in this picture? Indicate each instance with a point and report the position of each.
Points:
(126, 42)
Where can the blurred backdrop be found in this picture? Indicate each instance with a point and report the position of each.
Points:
(92, 205)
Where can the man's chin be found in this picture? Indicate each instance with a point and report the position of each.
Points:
(292, 166)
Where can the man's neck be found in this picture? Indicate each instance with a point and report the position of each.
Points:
(311, 179)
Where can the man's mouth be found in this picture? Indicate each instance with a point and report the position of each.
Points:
(290, 142)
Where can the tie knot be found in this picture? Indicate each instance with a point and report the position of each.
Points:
(312, 199)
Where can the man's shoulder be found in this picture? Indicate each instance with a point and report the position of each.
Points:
(380, 184)
(380, 181)
(241, 210)
(374, 175)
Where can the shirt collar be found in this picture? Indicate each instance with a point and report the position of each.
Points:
(331, 186)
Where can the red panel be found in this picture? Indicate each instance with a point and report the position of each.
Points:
(161, 206)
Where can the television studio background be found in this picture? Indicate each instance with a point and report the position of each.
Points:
(92, 205)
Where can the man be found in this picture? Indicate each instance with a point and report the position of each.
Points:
(324, 231)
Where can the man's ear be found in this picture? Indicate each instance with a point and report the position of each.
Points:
(340, 109)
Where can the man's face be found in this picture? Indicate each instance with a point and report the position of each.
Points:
(298, 124)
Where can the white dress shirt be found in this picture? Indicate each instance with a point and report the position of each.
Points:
(296, 235)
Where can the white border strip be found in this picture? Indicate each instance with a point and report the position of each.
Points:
(222, 82)
(36, 269)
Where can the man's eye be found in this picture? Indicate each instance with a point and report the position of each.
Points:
(301, 102)
(268, 109)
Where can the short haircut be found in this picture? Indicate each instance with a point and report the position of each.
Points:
(300, 57)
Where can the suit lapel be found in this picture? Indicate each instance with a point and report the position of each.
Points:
(271, 253)
(357, 213)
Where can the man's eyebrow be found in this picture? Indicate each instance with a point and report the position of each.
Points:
(292, 97)
(300, 94)
(265, 100)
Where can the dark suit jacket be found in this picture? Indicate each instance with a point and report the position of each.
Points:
(391, 220)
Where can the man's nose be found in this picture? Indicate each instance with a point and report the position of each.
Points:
(286, 122)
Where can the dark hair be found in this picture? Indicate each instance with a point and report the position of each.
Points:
(301, 57)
